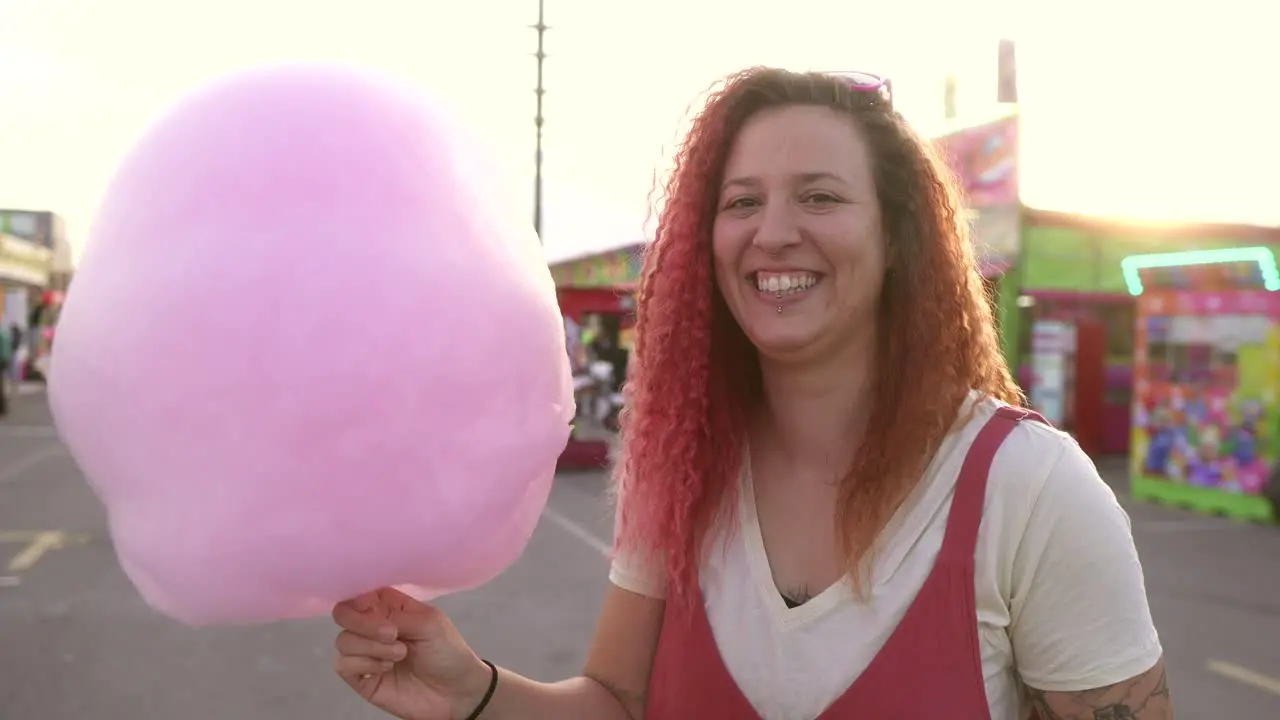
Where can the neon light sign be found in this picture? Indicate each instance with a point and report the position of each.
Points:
(1263, 256)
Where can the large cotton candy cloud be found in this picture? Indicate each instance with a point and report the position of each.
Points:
(311, 349)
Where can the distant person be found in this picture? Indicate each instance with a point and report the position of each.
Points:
(610, 371)
(15, 332)
(14, 371)
(814, 520)
(609, 351)
(8, 358)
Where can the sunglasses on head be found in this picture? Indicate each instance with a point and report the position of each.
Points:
(866, 82)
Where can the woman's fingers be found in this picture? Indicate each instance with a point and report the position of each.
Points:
(396, 599)
(367, 645)
(354, 668)
(368, 623)
(362, 674)
(353, 645)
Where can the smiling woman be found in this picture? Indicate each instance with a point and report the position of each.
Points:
(792, 211)
(830, 523)
(830, 505)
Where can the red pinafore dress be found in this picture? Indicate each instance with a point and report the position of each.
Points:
(929, 669)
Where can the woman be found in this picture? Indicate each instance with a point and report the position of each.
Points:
(813, 518)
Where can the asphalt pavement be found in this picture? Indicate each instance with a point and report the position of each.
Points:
(77, 643)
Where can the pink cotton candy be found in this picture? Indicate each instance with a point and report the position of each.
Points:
(311, 349)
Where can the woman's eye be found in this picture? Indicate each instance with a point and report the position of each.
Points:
(741, 203)
(821, 198)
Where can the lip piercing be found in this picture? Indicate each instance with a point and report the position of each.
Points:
(779, 309)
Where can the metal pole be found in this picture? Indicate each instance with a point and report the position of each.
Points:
(541, 27)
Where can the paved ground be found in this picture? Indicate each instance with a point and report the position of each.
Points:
(77, 643)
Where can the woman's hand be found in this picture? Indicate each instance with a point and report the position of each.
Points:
(406, 658)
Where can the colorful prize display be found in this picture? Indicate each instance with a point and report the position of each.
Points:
(311, 351)
(1207, 378)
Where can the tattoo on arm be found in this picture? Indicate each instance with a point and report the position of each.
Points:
(632, 702)
(1145, 697)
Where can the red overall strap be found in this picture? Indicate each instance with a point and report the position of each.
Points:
(961, 540)
(931, 666)
(936, 644)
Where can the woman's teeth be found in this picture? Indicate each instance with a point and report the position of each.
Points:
(784, 283)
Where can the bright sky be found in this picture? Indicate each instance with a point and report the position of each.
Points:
(1141, 108)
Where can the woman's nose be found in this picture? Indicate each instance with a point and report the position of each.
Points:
(778, 229)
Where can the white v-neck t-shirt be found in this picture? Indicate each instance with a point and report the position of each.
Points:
(1061, 601)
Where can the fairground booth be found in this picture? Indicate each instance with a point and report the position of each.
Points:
(1067, 314)
(1065, 311)
(1206, 425)
(29, 298)
(597, 298)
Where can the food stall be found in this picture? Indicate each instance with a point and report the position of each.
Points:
(1206, 427)
(597, 299)
(25, 303)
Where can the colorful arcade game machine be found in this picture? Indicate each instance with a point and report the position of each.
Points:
(1206, 420)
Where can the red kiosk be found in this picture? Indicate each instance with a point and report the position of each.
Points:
(597, 298)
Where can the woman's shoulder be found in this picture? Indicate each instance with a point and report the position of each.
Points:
(979, 408)
(1043, 489)
(1035, 457)
(1059, 548)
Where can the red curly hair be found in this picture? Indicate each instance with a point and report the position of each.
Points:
(695, 376)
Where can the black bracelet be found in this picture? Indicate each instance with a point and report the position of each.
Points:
(488, 695)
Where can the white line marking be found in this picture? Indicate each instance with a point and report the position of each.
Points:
(36, 549)
(26, 536)
(10, 581)
(1244, 676)
(578, 531)
(28, 431)
(15, 470)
